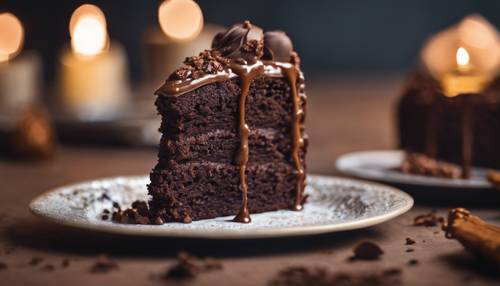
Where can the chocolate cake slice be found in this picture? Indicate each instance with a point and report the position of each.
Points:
(233, 140)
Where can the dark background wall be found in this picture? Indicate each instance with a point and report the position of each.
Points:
(337, 36)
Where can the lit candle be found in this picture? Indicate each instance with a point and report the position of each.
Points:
(92, 79)
(464, 79)
(182, 34)
(19, 71)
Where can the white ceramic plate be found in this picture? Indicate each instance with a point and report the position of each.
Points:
(334, 204)
(382, 166)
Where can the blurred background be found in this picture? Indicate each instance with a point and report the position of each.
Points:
(341, 36)
(355, 55)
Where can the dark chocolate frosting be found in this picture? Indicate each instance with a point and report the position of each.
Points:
(241, 41)
(277, 46)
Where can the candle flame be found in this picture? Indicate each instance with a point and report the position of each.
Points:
(11, 36)
(88, 30)
(180, 19)
(462, 57)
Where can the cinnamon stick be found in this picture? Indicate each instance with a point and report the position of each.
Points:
(477, 236)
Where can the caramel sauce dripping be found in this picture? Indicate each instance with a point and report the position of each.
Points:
(246, 74)
(292, 74)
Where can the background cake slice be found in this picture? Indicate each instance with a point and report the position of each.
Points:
(233, 139)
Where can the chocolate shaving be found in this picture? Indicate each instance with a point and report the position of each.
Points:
(103, 265)
(188, 266)
(48, 268)
(207, 62)
(367, 250)
(412, 262)
(301, 276)
(410, 241)
(429, 219)
(65, 263)
(3, 266)
(35, 261)
(421, 164)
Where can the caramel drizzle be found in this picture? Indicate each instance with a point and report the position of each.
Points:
(292, 73)
(247, 73)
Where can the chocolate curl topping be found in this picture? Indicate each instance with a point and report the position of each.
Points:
(241, 41)
(277, 46)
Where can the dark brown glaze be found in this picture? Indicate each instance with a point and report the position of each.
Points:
(246, 74)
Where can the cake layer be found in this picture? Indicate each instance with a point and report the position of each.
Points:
(215, 106)
(222, 146)
(196, 191)
(426, 116)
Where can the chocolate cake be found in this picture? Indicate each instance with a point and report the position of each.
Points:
(450, 106)
(433, 124)
(233, 140)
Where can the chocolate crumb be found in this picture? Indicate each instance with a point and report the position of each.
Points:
(302, 276)
(392, 271)
(9, 249)
(48, 268)
(3, 266)
(35, 261)
(299, 275)
(117, 206)
(65, 263)
(188, 266)
(105, 217)
(429, 219)
(421, 164)
(187, 219)
(106, 211)
(138, 213)
(158, 221)
(104, 197)
(367, 250)
(410, 250)
(410, 241)
(103, 264)
(412, 262)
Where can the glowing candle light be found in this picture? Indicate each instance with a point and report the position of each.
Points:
(464, 79)
(92, 77)
(181, 33)
(11, 37)
(19, 71)
(180, 19)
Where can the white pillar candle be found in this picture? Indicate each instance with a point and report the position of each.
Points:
(182, 35)
(92, 80)
(163, 54)
(19, 73)
(95, 87)
(19, 83)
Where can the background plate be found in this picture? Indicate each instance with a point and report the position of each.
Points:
(382, 165)
(334, 204)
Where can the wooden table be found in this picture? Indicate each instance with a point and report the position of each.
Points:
(345, 114)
